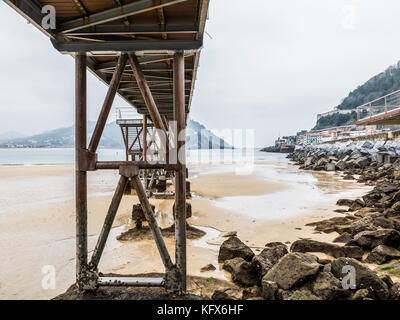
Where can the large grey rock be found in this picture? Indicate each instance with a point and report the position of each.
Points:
(387, 223)
(207, 268)
(292, 268)
(227, 294)
(251, 292)
(327, 287)
(341, 165)
(365, 277)
(361, 162)
(395, 292)
(234, 248)
(372, 239)
(306, 245)
(245, 274)
(344, 202)
(362, 294)
(268, 258)
(308, 162)
(364, 224)
(382, 254)
(343, 238)
(230, 264)
(302, 294)
(269, 289)
(330, 167)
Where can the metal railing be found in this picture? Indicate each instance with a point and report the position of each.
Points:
(127, 115)
(380, 105)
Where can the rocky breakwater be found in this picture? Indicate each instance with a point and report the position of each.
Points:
(367, 236)
(282, 273)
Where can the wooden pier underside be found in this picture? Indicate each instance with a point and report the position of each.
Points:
(146, 51)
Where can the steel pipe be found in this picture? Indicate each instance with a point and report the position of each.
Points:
(130, 282)
(115, 165)
(180, 174)
(80, 175)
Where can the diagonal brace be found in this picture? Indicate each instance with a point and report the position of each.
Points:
(133, 173)
(105, 111)
(108, 222)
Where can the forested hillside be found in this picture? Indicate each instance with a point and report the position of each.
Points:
(378, 86)
(336, 120)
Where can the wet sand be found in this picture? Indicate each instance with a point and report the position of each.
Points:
(214, 186)
(37, 222)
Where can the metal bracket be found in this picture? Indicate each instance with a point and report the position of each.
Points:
(128, 171)
(172, 280)
(88, 280)
(87, 160)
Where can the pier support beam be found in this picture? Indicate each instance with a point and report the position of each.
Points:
(149, 100)
(144, 138)
(180, 174)
(105, 231)
(80, 174)
(105, 111)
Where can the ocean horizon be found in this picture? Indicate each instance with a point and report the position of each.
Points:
(66, 156)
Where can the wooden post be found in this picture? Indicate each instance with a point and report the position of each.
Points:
(80, 175)
(180, 175)
(105, 111)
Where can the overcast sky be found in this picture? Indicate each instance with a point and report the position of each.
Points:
(266, 65)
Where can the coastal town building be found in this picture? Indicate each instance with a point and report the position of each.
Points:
(313, 138)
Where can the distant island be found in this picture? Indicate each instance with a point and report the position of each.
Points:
(198, 137)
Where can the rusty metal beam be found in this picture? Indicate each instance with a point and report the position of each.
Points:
(149, 214)
(148, 97)
(113, 14)
(136, 139)
(134, 29)
(108, 222)
(115, 165)
(80, 6)
(144, 137)
(180, 175)
(105, 111)
(130, 45)
(81, 176)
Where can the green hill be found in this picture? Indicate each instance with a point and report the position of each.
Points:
(336, 120)
(378, 86)
(111, 138)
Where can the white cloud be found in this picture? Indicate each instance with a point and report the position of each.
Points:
(271, 65)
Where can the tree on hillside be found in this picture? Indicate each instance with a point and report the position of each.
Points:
(378, 86)
(336, 120)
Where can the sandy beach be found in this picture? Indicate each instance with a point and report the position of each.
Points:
(37, 222)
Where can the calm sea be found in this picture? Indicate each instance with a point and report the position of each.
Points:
(67, 156)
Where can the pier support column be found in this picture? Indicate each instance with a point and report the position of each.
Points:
(80, 173)
(144, 138)
(180, 175)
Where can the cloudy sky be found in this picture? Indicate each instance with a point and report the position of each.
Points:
(266, 65)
